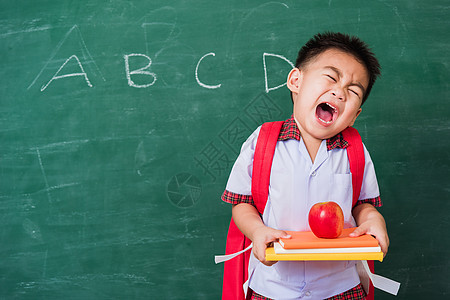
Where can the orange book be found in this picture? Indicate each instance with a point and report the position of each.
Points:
(307, 240)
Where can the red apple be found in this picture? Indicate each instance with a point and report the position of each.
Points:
(326, 220)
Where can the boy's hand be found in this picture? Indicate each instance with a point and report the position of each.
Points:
(262, 237)
(249, 222)
(370, 221)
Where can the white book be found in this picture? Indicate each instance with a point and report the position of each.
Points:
(280, 250)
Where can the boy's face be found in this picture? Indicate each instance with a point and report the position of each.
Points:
(327, 93)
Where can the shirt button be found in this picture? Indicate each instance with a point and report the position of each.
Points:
(307, 294)
(314, 173)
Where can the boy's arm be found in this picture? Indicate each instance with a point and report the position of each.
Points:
(370, 221)
(249, 222)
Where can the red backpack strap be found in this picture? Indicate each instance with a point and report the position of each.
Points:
(236, 270)
(355, 153)
(262, 162)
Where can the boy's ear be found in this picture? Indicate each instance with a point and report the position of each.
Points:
(354, 119)
(293, 80)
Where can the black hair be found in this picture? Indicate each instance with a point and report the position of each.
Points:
(346, 43)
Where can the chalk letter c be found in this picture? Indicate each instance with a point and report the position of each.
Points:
(196, 74)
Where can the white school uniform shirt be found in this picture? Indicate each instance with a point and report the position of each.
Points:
(296, 184)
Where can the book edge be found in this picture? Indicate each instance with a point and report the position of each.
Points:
(280, 250)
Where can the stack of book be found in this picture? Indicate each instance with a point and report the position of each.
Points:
(306, 246)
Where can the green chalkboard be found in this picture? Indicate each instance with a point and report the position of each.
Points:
(120, 121)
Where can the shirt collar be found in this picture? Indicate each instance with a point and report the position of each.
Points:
(290, 131)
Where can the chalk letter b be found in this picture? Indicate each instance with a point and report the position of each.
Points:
(141, 71)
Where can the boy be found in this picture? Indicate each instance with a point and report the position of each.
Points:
(333, 77)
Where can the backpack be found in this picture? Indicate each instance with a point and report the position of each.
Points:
(236, 269)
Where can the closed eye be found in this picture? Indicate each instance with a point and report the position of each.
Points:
(354, 92)
(331, 77)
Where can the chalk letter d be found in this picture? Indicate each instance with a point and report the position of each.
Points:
(268, 89)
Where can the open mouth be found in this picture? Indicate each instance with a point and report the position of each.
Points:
(326, 113)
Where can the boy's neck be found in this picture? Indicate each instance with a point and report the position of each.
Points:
(312, 144)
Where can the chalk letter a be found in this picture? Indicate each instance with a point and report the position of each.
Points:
(56, 76)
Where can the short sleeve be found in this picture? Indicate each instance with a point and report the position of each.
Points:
(239, 185)
(374, 201)
(370, 192)
(233, 198)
